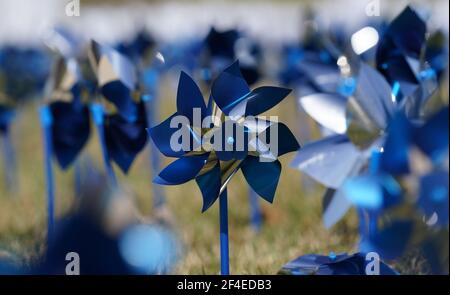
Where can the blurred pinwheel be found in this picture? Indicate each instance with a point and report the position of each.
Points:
(223, 47)
(64, 116)
(410, 62)
(212, 155)
(379, 194)
(359, 116)
(122, 132)
(150, 64)
(23, 72)
(337, 264)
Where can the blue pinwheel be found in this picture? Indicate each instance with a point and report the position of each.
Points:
(7, 114)
(337, 264)
(122, 134)
(221, 48)
(359, 119)
(379, 193)
(212, 165)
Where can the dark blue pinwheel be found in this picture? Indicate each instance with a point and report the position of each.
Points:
(411, 63)
(379, 196)
(135, 248)
(23, 72)
(221, 48)
(213, 166)
(122, 132)
(337, 264)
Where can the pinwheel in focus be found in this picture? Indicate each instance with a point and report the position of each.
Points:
(212, 165)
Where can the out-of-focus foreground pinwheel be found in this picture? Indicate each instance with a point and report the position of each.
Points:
(359, 120)
(122, 131)
(337, 264)
(368, 123)
(213, 155)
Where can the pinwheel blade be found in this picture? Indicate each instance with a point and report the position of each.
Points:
(162, 136)
(390, 242)
(335, 206)
(182, 170)
(262, 176)
(432, 137)
(373, 95)
(329, 161)
(395, 159)
(230, 88)
(329, 110)
(70, 130)
(433, 196)
(189, 97)
(125, 139)
(209, 184)
(264, 98)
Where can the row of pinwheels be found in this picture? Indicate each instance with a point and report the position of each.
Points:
(378, 109)
(385, 123)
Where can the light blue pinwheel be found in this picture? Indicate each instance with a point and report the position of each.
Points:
(212, 167)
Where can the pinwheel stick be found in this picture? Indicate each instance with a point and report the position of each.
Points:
(255, 210)
(151, 103)
(46, 122)
(98, 115)
(224, 248)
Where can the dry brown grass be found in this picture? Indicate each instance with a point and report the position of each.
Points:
(293, 223)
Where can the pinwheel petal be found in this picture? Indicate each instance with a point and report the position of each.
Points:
(182, 170)
(283, 140)
(264, 98)
(189, 97)
(390, 242)
(433, 196)
(119, 95)
(335, 206)
(334, 118)
(407, 31)
(161, 136)
(333, 264)
(432, 137)
(395, 159)
(124, 139)
(230, 88)
(209, 184)
(262, 176)
(324, 77)
(329, 161)
(373, 95)
(70, 130)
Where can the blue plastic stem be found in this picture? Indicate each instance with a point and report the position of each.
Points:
(46, 123)
(98, 115)
(224, 248)
(151, 103)
(255, 210)
(9, 160)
